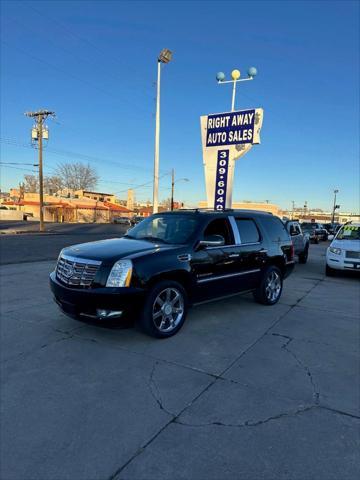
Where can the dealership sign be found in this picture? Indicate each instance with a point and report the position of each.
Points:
(225, 138)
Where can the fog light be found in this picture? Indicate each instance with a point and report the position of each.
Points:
(101, 313)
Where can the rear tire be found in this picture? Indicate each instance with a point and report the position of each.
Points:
(270, 288)
(304, 255)
(165, 309)
(329, 272)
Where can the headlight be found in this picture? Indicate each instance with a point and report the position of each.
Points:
(337, 251)
(120, 275)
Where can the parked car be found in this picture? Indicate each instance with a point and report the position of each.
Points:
(137, 219)
(318, 230)
(300, 240)
(172, 260)
(122, 220)
(344, 251)
(312, 232)
(324, 234)
(332, 228)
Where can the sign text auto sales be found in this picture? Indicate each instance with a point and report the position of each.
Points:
(230, 128)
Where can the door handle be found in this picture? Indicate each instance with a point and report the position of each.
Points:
(233, 255)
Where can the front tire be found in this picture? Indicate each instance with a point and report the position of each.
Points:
(165, 309)
(270, 288)
(304, 255)
(329, 272)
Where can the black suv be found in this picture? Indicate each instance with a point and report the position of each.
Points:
(170, 261)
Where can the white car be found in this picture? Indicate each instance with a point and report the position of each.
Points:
(344, 251)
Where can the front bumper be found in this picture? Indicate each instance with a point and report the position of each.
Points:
(339, 262)
(86, 303)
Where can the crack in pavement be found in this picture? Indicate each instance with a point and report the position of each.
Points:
(155, 391)
(175, 418)
(285, 346)
(248, 423)
(45, 345)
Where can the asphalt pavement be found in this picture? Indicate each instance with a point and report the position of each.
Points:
(35, 246)
(244, 391)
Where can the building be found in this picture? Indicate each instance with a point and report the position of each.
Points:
(70, 209)
(102, 197)
(248, 205)
(130, 203)
(320, 216)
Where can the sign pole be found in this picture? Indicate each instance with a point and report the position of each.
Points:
(233, 96)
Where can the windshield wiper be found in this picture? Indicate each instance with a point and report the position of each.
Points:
(151, 238)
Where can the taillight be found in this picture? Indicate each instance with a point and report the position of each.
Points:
(292, 252)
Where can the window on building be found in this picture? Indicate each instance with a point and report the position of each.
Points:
(248, 230)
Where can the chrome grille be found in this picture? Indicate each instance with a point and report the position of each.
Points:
(77, 272)
(351, 254)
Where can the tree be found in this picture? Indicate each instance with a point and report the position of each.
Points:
(31, 183)
(77, 176)
(53, 184)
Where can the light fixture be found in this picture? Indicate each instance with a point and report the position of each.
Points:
(165, 55)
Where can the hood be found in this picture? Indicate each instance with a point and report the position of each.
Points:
(108, 251)
(353, 245)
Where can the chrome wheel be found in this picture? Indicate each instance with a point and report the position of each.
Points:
(168, 309)
(273, 286)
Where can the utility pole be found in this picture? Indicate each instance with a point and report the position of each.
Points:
(293, 208)
(172, 189)
(334, 207)
(37, 135)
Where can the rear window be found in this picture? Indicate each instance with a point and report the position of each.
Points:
(275, 228)
(248, 230)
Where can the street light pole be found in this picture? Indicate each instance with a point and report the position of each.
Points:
(157, 143)
(334, 207)
(164, 57)
(172, 189)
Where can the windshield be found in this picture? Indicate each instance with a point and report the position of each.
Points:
(174, 229)
(349, 232)
(308, 226)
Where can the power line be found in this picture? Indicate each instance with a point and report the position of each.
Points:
(18, 168)
(74, 34)
(65, 153)
(144, 184)
(17, 163)
(28, 54)
(71, 52)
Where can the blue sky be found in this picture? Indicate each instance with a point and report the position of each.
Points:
(94, 64)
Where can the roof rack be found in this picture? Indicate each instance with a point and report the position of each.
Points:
(197, 210)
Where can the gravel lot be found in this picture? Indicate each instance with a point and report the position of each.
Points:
(244, 391)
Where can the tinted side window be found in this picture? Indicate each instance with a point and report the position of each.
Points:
(275, 228)
(248, 230)
(220, 226)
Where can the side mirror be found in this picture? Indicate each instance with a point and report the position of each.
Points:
(212, 241)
